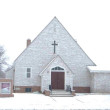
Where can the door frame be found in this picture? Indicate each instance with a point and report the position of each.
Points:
(58, 71)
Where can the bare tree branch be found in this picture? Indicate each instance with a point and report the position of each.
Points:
(3, 61)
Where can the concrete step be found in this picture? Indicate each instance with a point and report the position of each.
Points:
(61, 95)
(59, 91)
(54, 90)
(64, 93)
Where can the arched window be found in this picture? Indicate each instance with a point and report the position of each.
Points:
(57, 68)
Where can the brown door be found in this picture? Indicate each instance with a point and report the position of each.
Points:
(57, 80)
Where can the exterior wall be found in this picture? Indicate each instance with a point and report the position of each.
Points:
(100, 82)
(40, 52)
(21, 77)
(21, 89)
(92, 83)
(46, 77)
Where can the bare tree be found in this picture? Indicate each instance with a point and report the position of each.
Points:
(3, 62)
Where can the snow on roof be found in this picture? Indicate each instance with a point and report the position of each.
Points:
(99, 69)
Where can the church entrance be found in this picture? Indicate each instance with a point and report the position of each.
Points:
(57, 78)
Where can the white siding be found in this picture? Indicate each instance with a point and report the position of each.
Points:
(100, 82)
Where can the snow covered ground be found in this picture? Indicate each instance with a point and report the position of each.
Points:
(39, 101)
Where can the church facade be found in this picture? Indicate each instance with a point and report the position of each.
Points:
(54, 59)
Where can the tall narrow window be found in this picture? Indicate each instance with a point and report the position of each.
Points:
(28, 72)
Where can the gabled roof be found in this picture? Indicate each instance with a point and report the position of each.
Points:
(57, 56)
(56, 20)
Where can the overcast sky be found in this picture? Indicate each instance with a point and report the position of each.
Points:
(88, 21)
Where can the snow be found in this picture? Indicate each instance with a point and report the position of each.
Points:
(99, 69)
(39, 101)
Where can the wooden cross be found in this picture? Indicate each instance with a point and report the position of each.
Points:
(54, 44)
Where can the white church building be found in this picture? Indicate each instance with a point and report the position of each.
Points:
(54, 59)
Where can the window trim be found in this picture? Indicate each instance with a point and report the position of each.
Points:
(57, 69)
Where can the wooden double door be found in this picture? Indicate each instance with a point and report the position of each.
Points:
(57, 80)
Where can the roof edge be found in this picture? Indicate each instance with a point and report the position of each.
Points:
(97, 70)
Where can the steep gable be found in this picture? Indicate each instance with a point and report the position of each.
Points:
(40, 51)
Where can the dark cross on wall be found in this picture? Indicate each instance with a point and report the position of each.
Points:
(54, 44)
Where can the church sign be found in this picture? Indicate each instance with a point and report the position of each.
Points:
(6, 88)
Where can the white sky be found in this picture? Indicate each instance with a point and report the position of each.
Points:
(88, 21)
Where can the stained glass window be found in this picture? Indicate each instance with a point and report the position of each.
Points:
(57, 68)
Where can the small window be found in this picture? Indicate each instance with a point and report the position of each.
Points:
(28, 75)
(28, 72)
(27, 89)
(28, 69)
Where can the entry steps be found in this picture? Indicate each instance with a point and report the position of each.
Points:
(60, 93)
